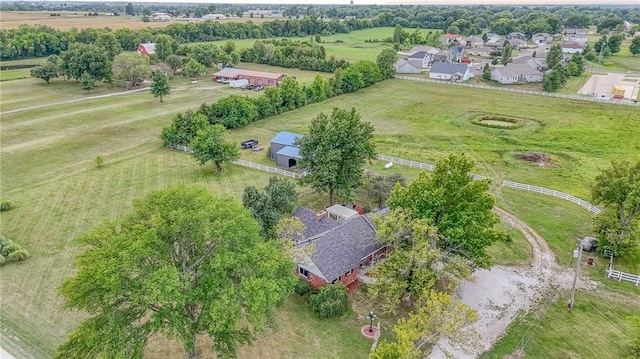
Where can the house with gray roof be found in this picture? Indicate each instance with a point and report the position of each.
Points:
(516, 73)
(450, 71)
(473, 41)
(421, 56)
(405, 66)
(442, 56)
(333, 251)
(541, 38)
(285, 149)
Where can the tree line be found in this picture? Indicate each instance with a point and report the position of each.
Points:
(303, 55)
(237, 111)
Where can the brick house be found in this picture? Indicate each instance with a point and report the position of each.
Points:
(340, 249)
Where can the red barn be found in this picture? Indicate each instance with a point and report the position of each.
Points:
(147, 48)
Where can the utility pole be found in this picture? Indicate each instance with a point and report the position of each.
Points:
(575, 276)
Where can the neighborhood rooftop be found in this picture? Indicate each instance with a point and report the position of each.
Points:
(314, 227)
(449, 68)
(518, 69)
(290, 151)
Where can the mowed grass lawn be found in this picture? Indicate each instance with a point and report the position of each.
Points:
(49, 173)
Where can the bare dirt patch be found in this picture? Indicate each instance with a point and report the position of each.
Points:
(540, 159)
(500, 293)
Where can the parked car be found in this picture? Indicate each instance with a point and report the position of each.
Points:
(589, 244)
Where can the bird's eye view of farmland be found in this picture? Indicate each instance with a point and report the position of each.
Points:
(347, 179)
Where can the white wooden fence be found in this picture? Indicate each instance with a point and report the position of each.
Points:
(529, 188)
(249, 164)
(420, 165)
(620, 276)
(516, 90)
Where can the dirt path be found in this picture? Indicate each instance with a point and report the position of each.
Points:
(500, 293)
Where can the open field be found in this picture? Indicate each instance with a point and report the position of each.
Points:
(48, 171)
(71, 19)
(602, 333)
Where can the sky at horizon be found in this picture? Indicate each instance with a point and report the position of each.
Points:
(391, 2)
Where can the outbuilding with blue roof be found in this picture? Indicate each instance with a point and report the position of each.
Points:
(284, 149)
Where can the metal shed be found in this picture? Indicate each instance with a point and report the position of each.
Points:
(283, 139)
(288, 156)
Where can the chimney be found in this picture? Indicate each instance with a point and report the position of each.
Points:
(319, 215)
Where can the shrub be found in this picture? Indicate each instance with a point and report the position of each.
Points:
(3, 260)
(9, 248)
(302, 287)
(99, 161)
(6, 205)
(330, 301)
(18, 255)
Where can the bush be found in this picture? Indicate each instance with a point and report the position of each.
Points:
(5, 205)
(3, 260)
(302, 287)
(9, 248)
(18, 255)
(330, 301)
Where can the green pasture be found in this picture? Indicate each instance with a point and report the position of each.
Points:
(596, 328)
(48, 171)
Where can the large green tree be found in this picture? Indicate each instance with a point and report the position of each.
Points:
(554, 56)
(634, 48)
(46, 72)
(335, 151)
(617, 188)
(160, 86)
(89, 58)
(183, 263)
(164, 47)
(174, 62)
(210, 145)
(131, 68)
(385, 61)
(458, 207)
(268, 207)
(184, 128)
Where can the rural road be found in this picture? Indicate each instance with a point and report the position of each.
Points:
(500, 293)
(5, 355)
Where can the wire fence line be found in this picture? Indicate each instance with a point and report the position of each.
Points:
(424, 166)
(627, 102)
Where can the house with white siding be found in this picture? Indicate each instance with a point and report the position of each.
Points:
(516, 73)
(450, 71)
(404, 66)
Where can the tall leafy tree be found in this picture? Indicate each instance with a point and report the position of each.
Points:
(164, 47)
(160, 85)
(334, 152)
(268, 207)
(506, 54)
(634, 48)
(617, 188)
(109, 42)
(183, 263)
(184, 128)
(193, 68)
(131, 68)
(45, 72)
(554, 56)
(89, 58)
(459, 207)
(174, 62)
(210, 145)
(129, 9)
(385, 61)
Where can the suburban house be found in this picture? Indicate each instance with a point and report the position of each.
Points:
(451, 38)
(404, 66)
(334, 251)
(422, 57)
(450, 71)
(516, 35)
(285, 149)
(493, 37)
(541, 38)
(148, 48)
(214, 17)
(254, 77)
(572, 47)
(422, 48)
(574, 31)
(442, 56)
(517, 44)
(457, 53)
(576, 38)
(483, 51)
(538, 63)
(474, 41)
(516, 73)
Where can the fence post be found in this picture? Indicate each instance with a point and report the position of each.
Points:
(619, 276)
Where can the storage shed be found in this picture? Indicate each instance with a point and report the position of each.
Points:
(284, 149)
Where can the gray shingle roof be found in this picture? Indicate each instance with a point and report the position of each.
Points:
(340, 248)
(418, 55)
(448, 68)
(313, 228)
(518, 69)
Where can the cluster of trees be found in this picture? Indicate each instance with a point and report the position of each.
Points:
(184, 263)
(304, 55)
(269, 206)
(206, 54)
(236, 111)
(11, 252)
(439, 227)
(617, 189)
(560, 73)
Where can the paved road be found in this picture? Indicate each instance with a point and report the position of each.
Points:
(72, 101)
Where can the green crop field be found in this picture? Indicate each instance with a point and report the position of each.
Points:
(48, 170)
